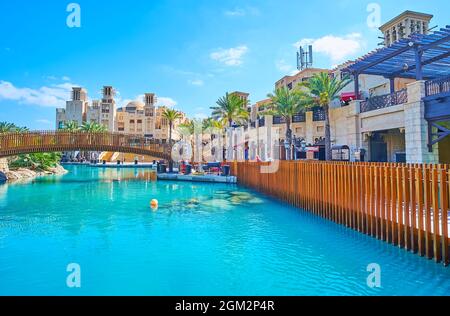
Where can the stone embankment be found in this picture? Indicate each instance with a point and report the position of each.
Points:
(23, 173)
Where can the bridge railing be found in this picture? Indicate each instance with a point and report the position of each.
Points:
(35, 141)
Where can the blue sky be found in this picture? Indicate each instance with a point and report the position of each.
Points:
(188, 52)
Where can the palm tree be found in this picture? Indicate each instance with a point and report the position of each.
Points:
(93, 127)
(231, 108)
(187, 128)
(286, 103)
(325, 89)
(216, 130)
(6, 127)
(171, 116)
(71, 126)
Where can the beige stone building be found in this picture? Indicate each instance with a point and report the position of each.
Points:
(386, 112)
(404, 25)
(136, 118)
(75, 109)
(292, 82)
(143, 119)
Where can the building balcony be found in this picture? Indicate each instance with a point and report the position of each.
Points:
(299, 118)
(318, 115)
(384, 101)
(261, 122)
(437, 86)
(277, 120)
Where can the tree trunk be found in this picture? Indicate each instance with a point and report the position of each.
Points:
(288, 138)
(170, 146)
(170, 133)
(327, 134)
(230, 155)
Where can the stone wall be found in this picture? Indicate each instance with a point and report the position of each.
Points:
(416, 127)
(4, 165)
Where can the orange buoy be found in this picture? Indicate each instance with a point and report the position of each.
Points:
(154, 204)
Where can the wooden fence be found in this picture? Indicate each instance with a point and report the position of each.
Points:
(403, 204)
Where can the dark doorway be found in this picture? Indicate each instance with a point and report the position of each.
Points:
(378, 148)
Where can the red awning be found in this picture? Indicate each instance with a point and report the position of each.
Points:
(348, 96)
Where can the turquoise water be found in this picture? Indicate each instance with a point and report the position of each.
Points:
(205, 239)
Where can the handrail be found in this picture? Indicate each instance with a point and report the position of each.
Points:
(15, 143)
(384, 101)
(437, 86)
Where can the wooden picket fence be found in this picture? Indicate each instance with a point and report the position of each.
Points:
(404, 204)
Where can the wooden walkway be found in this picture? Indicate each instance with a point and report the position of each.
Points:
(12, 144)
(404, 204)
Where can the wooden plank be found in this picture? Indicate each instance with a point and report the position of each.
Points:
(406, 207)
(413, 208)
(394, 206)
(427, 207)
(445, 194)
(400, 203)
(436, 227)
(387, 203)
(420, 207)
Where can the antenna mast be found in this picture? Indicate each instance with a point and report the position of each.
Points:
(305, 58)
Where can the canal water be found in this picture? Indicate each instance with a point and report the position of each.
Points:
(204, 239)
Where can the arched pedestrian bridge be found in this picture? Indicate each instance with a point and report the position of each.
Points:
(12, 144)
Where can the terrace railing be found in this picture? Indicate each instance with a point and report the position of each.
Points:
(278, 120)
(437, 86)
(384, 101)
(299, 118)
(261, 122)
(318, 115)
(403, 204)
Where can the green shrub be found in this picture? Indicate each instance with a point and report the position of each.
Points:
(39, 161)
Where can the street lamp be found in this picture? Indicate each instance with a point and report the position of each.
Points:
(234, 126)
(303, 144)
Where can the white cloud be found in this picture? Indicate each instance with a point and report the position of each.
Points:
(286, 68)
(231, 56)
(166, 101)
(54, 95)
(200, 116)
(196, 82)
(338, 48)
(54, 78)
(235, 12)
(44, 121)
(161, 101)
(239, 12)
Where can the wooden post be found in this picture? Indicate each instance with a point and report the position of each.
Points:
(435, 198)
